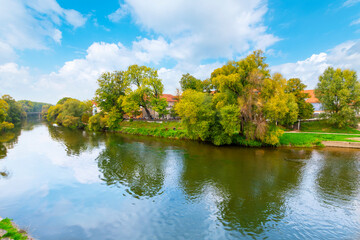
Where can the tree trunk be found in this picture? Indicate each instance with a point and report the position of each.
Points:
(299, 124)
(148, 112)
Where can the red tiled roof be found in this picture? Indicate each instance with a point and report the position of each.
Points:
(312, 98)
(169, 97)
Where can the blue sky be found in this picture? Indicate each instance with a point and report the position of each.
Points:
(50, 49)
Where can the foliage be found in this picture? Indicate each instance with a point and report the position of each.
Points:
(247, 101)
(197, 115)
(30, 106)
(98, 122)
(147, 89)
(44, 111)
(339, 93)
(15, 112)
(280, 106)
(12, 232)
(70, 113)
(112, 85)
(159, 106)
(296, 87)
(188, 81)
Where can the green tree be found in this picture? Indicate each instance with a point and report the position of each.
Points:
(147, 87)
(15, 111)
(112, 85)
(296, 87)
(188, 81)
(279, 106)
(159, 106)
(339, 93)
(70, 113)
(4, 107)
(240, 83)
(196, 112)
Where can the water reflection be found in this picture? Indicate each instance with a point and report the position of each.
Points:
(7, 141)
(138, 167)
(71, 184)
(75, 141)
(339, 176)
(249, 188)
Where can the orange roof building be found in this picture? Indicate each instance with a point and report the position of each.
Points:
(312, 98)
(169, 97)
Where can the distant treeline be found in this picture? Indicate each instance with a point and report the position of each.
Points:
(12, 111)
(30, 106)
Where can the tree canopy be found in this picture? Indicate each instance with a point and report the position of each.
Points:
(247, 102)
(70, 113)
(146, 90)
(339, 93)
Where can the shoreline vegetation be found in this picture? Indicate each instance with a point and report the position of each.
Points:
(241, 103)
(9, 230)
(305, 138)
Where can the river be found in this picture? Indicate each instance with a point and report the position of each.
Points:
(68, 184)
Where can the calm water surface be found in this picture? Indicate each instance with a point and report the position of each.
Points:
(65, 184)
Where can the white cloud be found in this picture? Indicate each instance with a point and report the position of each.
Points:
(345, 55)
(31, 24)
(171, 77)
(14, 80)
(203, 29)
(355, 22)
(78, 78)
(119, 14)
(349, 3)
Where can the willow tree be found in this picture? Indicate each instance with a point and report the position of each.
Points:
(339, 93)
(250, 102)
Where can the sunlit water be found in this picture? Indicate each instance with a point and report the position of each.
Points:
(65, 184)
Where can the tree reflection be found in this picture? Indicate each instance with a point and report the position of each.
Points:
(75, 141)
(339, 176)
(7, 141)
(138, 167)
(249, 187)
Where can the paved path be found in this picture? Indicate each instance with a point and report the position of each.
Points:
(351, 134)
(341, 144)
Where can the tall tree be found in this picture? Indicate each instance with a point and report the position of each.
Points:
(188, 81)
(15, 111)
(296, 87)
(112, 85)
(4, 107)
(339, 93)
(146, 87)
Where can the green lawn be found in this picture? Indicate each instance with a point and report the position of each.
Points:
(323, 126)
(312, 139)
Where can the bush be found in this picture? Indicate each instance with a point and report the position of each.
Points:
(98, 122)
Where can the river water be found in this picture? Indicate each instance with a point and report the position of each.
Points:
(67, 184)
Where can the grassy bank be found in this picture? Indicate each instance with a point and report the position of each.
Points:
(12, 232)
(313, 139)
(323, 126)
(171, 130)
(176, 131)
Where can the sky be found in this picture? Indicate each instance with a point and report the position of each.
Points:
(52, 49)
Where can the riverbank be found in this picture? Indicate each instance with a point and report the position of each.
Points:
(9, 230)
(293, 139)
